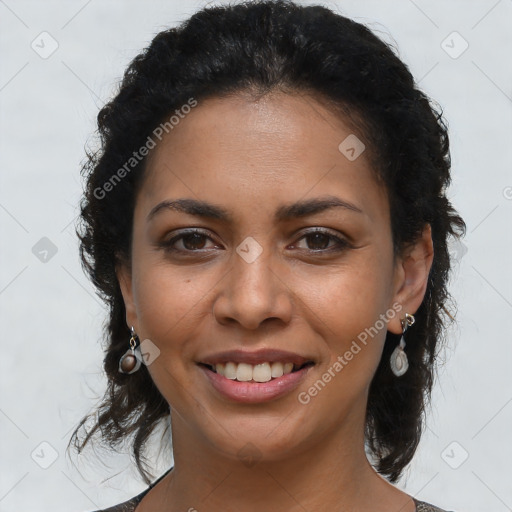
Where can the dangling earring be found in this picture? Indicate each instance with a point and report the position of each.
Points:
(399, 362)
(131, 359)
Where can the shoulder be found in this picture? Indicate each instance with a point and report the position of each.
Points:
(423, 506)
(126, 506)
(130, 505)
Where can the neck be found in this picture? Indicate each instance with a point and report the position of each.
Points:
(332, 475)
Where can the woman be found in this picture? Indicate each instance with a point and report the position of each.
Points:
(266, 218)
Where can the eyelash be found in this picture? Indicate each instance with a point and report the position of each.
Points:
(342, 244)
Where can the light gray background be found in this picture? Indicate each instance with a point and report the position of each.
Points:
(51, 320)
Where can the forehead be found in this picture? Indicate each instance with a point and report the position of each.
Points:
(266, 150)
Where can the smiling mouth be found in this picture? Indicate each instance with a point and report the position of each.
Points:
(263, 372)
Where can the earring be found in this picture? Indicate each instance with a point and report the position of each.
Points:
(131, 359)
(399, 362)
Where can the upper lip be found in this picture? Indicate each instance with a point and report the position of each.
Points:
(256, 357)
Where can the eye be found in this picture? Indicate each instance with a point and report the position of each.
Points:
(191, 241)
(319, 240)
(195, 240)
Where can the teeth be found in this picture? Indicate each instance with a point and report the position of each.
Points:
(261, 373)
(245, 372)
(277, 370)
(229, 371)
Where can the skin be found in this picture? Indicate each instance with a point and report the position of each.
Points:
(251, 157)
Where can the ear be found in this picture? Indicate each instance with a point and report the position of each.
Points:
(124, 277)
(411, 277)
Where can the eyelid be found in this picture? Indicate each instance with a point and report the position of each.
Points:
(322, 230)
(189, 231)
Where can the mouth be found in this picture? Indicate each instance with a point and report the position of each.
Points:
(261, 365)
(255, 377)
(261, 372)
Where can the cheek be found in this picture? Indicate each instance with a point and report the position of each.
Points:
(348, 296)
(169, 302)
(346, 310)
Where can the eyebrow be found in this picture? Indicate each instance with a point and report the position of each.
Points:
(285, 212)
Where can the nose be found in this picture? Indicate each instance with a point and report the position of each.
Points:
(252, 293)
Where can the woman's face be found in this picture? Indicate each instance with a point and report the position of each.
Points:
(270, 269)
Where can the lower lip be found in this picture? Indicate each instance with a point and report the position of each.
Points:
(255, 392)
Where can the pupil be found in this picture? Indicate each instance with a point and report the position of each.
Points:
(318, 237)
(196, 239)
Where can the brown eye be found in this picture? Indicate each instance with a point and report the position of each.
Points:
(319, 240)
(189, 241)
(193, 241)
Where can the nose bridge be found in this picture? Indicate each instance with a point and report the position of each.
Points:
(252, 268)
(253, 290)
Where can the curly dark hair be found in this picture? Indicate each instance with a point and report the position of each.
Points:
(256, 47)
